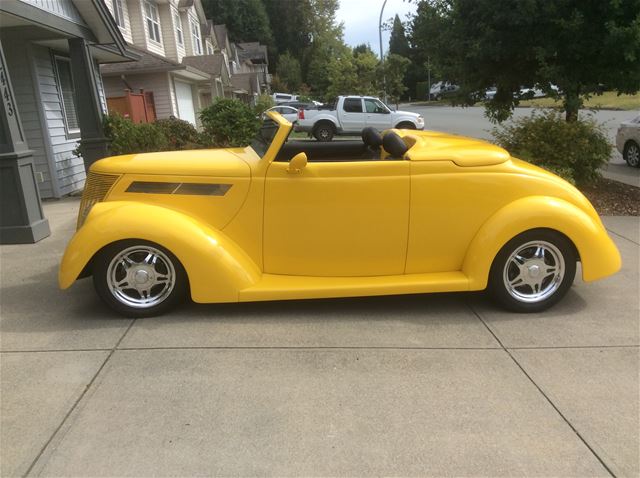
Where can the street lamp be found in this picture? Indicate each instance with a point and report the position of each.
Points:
(384, 77)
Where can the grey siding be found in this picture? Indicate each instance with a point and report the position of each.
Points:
(69, 168)
(158, 83)
(26, 92)
(61, 8)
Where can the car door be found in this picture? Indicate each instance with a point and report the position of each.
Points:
(352, 116)
(378, 115)
(337, 218)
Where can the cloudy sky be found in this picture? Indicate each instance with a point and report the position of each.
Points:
(360, 19)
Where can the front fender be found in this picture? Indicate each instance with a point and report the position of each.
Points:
(598, 254)
(217, 268)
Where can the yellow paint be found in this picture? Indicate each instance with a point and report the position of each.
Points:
(432, 222)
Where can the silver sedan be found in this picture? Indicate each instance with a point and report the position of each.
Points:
(628, 141)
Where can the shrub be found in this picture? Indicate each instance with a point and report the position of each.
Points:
(263, 103)
(229, 123)
(180, 134)
(127, 137)
(574, 150)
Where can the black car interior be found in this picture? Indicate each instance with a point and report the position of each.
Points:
(372, 147)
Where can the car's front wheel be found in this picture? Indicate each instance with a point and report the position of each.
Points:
(533, 271)
(138, 278)
(631, 154)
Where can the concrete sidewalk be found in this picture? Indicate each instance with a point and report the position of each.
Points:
(405, 386)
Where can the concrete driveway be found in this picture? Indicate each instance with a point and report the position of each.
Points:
(397, 386)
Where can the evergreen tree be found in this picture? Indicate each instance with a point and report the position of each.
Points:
(398, 43)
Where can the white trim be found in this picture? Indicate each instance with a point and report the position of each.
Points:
(196, 38)
(152, 22)
(179, 31)
(118, 14)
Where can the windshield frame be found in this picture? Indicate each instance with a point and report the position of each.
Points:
(279, 138)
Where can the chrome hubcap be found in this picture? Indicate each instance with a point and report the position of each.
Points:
(534, 271)
(141, 276)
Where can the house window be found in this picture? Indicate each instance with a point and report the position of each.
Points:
(195, 37)
(67, 94)
(179, 35)
(153, 22)
(118, 13)
(209, 49)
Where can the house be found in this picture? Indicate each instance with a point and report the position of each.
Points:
(180, 71)
(53, 100)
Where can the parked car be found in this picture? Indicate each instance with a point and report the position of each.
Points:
(442, 90)
(289, 112)
(401, 213)
(351, 114)
(490, 93)
(528, 92)
(628, 141)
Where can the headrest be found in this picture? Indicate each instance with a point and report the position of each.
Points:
(394, 145)
(371, 137)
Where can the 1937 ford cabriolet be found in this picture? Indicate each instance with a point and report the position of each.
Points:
(406, 212)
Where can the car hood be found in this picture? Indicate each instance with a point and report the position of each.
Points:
(407, 113)
(229, 162)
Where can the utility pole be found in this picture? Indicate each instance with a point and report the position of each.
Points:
(384, 76)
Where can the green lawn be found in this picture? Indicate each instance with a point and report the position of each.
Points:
(606, 101)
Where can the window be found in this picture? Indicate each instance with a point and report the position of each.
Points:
(374, 106)
(67, 94)
(179, 35)
(209, 49)
(353, 105)
(195, 37)
(118, 13)
(153, 22)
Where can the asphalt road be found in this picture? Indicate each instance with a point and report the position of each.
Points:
(422, 385)
(472, 122)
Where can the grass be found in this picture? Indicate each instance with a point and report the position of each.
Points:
(609, 100)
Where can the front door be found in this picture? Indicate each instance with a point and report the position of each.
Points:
(352, 116)
(378, 115)
(337, 218)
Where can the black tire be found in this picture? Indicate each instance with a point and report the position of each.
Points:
(520, 268)
(324, 132)
(405, 125)
(127, 263)
(631, 154)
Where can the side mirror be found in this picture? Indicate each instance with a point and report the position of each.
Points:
(297, 163)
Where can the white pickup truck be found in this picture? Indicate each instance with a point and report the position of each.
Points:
(351, 114)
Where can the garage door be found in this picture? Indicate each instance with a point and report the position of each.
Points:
(185, 102)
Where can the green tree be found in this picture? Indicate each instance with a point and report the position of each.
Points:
(395, 67)
(246, 20)
(362, 48)
(289, 71)
(398, 43)
(578, 45)
(291, 24)
(342, 76)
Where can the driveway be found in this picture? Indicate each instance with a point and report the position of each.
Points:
(472, 122)
(404, 386)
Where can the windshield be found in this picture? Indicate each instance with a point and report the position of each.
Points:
(264, 137)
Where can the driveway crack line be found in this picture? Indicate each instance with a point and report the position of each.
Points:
(546, 397)
(623, 237)
(78, 400)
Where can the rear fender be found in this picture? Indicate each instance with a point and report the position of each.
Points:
(598, 254)
(216, 266)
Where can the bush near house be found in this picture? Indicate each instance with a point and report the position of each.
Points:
(179, 133)
(574, 150)
(263, 103)
(229, 123)
(127, 137)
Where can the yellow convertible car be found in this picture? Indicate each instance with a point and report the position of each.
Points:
(405, 212)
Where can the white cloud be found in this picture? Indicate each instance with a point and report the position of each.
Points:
(360, 19)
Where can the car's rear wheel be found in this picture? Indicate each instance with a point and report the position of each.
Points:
(631, 154)
(533, 271)
(324, 132)
(138, 278)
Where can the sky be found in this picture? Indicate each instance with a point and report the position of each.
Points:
(360, 19)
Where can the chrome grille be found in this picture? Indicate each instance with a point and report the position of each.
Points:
(95, 189)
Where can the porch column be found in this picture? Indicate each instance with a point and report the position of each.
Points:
(93, 144)
(21, 218)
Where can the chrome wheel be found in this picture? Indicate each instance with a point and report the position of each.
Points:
(534, 272)
(632, 155)
(141, 276)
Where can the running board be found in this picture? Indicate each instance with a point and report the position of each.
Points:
(281, 287)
